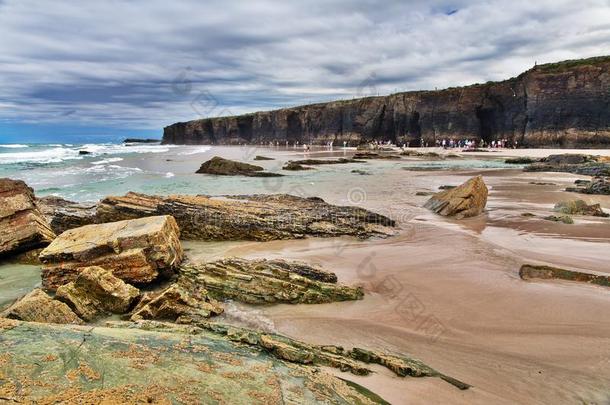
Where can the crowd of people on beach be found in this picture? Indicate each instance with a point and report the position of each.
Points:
(439, 143)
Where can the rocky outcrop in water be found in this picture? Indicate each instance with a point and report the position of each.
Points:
(588, 165)
(22, 226)
(269, 282)
(464, 201)
(532, 272)
(37, 306)
(96, 292)
(598, 185)
(225, 167)
(249, 217)
(579, 207)
(136, 251)
(553, 105)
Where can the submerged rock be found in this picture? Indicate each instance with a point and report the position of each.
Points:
(530, 272)
(269, 281)
(524, 160)
(360, 172)
(22, 226)
(226, 167)
(182, 302)
(466, 200)
(136, 251)
(294, 166)
(97, 292)
(259, 157)
(37, 306)
(249, 217)
(579, 207)
(63, 214)
(151, 362)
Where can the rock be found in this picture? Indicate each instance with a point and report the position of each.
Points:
(446, 187)
(268, 282)
(523, 109)
(579, 207)
(315, 162)
(182, 302)
(226, 167)
(373, 155)
(425, 193)
(37, 306)
(84, 152)
(294, 166)
(598, 185)
(466, 200)
(572, 163)
(251, 217)
(96, 292)
(22, 226)
(566, 219)
(531, 272)
(527, 215)
(153, 362)
(524, 160)
(30, 257)
(360, 172)
(63, 214)
(259, 157)
(141, 140)
(542, 183)
(136, 251)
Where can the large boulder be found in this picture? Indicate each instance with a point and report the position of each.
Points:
(466, 200)
(22, 226)
(136, 251)
(37, 306)
(97, 292)
(249, 217)
(226, 167)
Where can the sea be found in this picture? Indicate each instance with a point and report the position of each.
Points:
(91, 171)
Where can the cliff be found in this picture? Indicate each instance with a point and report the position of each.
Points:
(565, 104)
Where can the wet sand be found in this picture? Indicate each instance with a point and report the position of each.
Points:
(448, 292)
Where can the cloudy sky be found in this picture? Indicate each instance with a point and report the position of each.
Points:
(132, 67)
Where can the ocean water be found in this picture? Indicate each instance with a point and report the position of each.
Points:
(115, 169)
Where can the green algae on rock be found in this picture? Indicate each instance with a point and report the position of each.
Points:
(268, 281)
(130, 363)
(531, 272)
(580, 207)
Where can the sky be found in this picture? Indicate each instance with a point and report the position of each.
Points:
(106, 70)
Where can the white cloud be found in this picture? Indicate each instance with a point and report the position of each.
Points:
(122, 62)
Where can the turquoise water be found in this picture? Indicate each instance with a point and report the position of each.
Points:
(115, 169)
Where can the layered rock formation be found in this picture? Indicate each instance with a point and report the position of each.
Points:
(225, 167)
(269, 282)
(37, 306)
(63, 214)
(588, 165)
(137, 251)
(466, 200)
(252, 217)
(96, 292)
(560, 104)
(22, 226)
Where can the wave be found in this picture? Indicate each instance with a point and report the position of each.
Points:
(13, 146)
(201, 149)
(106, 161)
(53, 155)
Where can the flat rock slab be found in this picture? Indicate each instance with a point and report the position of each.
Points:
(533, 272)
(136, 251)
(162, 365)
(249, 217)
(37, 306)
(269, 282)
(22, 226)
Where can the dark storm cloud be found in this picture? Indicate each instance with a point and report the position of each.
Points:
(149, 63)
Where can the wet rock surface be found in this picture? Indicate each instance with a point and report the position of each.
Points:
(96, 292)
(37, 306)
(589, 165)
(22, 225)
(566, 219)
(294, 166)
(598, 185)
(225, 167)
(268, 282)
(130, 363)
(533, 272)
(136, 251)
(466, 200)
(250, 217)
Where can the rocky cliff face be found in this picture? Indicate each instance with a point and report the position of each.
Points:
(564, 104)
